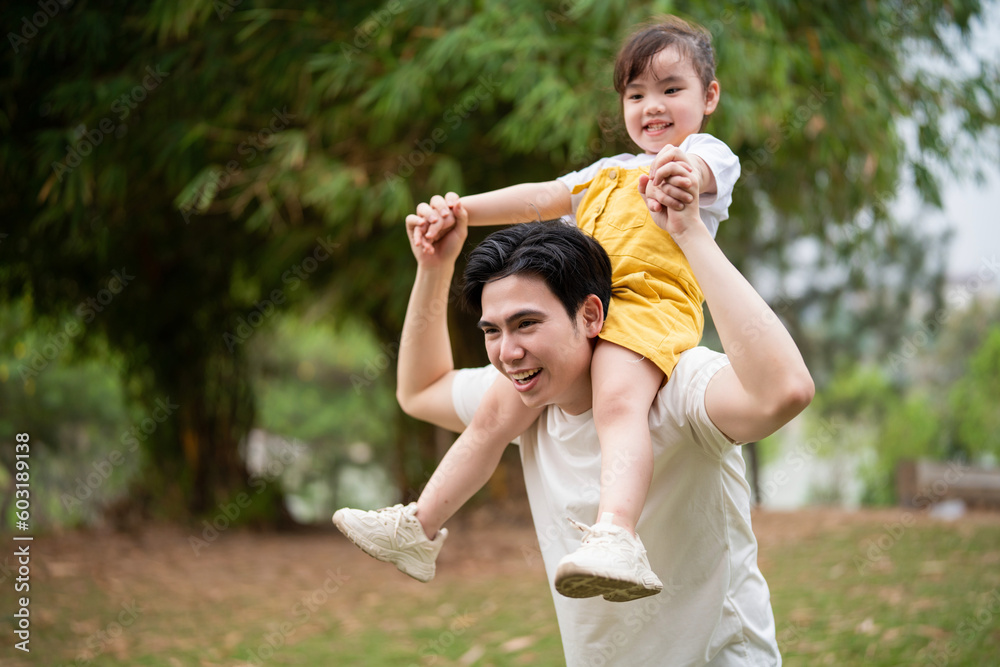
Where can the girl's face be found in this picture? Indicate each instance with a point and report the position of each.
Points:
(667, 103)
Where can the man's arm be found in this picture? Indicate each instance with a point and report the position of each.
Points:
(425, 367)
(767, 382)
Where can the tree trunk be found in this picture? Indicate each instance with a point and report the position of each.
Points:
(195, 469)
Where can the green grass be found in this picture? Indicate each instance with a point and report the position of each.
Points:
(493, 618)
(506, 619)
(889, 594)
(864, 592)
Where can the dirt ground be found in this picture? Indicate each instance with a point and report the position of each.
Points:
(231, 570)
(239, 562)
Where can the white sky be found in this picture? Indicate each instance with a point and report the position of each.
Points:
(973, 211)
(974, 214)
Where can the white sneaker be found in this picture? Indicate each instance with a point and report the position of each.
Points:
(393, 535)
(610, 562)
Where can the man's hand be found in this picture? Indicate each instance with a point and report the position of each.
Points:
(674, 172)
(661, 201)
(450, 231)
(431, 221)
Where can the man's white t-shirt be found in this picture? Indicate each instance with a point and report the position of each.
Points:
(715, 606)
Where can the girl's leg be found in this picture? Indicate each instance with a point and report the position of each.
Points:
(625, 385)
(466, 467)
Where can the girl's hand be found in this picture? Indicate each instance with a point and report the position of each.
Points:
(444, 249)
(674, 221)
(436, 219)
(673, 173)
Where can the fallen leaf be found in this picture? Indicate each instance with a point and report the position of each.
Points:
(867, 627)
(472, 655)
(923, 604)
(931, 632)
(933, 567)
(892, 634)
(517, 644)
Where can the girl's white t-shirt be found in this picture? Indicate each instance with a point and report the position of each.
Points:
(717, 155)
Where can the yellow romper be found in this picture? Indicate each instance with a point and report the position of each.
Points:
(655, 306)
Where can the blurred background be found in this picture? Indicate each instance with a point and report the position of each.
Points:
(203, 268)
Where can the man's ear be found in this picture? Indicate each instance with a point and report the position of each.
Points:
(592, 313)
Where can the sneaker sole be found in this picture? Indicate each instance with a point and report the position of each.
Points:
(574, 582)
(630, 594)
(377, 551)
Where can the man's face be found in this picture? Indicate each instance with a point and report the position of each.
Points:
(531, 340)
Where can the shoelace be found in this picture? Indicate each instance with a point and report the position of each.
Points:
(399, 519)
(592, 534)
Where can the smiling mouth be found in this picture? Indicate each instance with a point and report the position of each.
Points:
(655, 127)
(524, 377)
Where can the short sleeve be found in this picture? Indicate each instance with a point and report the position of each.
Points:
(684, 398)
(468, 387)
(584, 176)
(725, 167)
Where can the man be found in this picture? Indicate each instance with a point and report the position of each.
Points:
(715, 605)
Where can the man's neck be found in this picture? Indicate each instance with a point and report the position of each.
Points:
(582, 401)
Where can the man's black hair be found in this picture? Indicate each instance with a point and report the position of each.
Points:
(572, 264)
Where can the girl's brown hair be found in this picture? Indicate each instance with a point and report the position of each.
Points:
(692, 40)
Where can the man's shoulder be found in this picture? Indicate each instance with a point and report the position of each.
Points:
(698, 363)
(468, 387)
(682, 398)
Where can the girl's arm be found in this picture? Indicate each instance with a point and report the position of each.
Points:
(706, 177)
(526, 202)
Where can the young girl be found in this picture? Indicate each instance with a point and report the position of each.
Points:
(665, 76)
